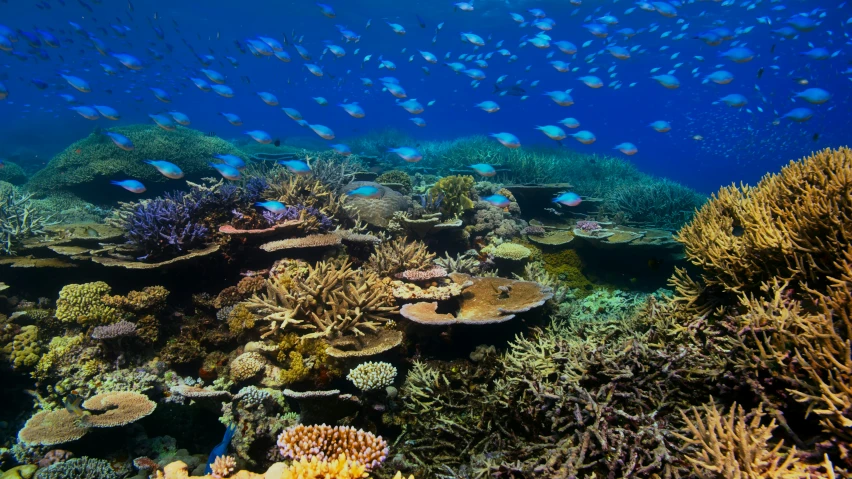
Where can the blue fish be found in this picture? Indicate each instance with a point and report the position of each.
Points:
(483, 169)
(366, 192)
(222, 448)
(232, 160)
(276, 207)
(227, 171)
(326, 10)
(120, 141)
(568, 199)
(132, 186)
(499, 201)
(169, 170)
(297, 167)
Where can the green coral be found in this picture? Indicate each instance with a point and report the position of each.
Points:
(96, 159)
(59, 347)
(24, 350)
(84, 304)
(12, 173)
(510, 251)
(455, 192)
(304, 358)
(397, 177)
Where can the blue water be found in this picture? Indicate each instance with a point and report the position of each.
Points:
(737, 145)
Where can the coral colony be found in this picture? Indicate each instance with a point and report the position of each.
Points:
(425, 332)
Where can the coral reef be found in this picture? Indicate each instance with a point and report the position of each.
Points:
(307, 442)
(372, 375)
(455, 194)
(397, 178)
(398, 255)
(20, 219)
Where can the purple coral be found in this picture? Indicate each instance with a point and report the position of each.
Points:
(295, 212)
(165, 226)
(588, 226)
(114, 331)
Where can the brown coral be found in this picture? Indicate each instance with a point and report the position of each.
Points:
(791, 226)
(311, 241)
(396, 256)
(117, 408)
(306, 442)
(737, 446)
(48, 428)
(326, 300)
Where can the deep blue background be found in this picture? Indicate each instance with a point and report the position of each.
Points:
(737, 145)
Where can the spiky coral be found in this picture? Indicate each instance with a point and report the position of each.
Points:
(397, 255)
(791, 226)
(738, 446)
(19, 219)
(326, 300)
(306, 191)
(654, 203)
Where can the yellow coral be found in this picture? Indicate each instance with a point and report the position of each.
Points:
(455, 193)
(59, 346)
(83, 304)
(240, 319)
(340, 468)
(24, 350)
(150, 298)
(510, 251)
(303, 357)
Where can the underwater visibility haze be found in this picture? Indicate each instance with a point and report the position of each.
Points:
(475, 239)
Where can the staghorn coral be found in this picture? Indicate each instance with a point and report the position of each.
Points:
(788, 227)
(455, 193)
(737, 445)
(655, 203)
(307, 191)
(372, 375)
(307, 442)
(326, 300)
(84, 304)
(20, 219)
(398, 255)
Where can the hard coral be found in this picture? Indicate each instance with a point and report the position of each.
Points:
(455, 193)
(84, 304)
(117, 408)
(396, 177)
(792, 226)
(398, 255)
(48, 428)
(19, 219)
(321, 442)
(326, 300)
(372, 375)
(99, 160)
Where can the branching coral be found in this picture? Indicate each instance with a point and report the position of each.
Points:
(738, 446)
(308, 192)
(321, 442)
(792, 226)
(84, 304)
(654, 203)
(398, 255)
(326, 300)
(19, 219)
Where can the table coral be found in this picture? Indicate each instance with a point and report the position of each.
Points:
(84, 304)
(117, 408)
(49, 428)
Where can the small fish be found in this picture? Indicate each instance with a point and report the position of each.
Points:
(297, 167)
(178, 117)
(86, 112)
(120, 141)
(78, 83)
(507, 139)
(627, 148)
(259, 136)
(163, 122)
(366, 191)
(268, 98)
(161, 95)
(341, 149)
(132, 186)
(232, 118)
(568, 199)
(411, 155)
(227, 171)
(231, 160)
(167, 169)
(107, 112)
(292, 113)
(275, 207)
(499, 201)
(483, 169)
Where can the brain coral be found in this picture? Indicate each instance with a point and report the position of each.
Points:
(84, 304)
(95, 160)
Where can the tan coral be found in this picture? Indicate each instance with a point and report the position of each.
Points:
(117, 408)
(247, 365)
(311, 241)
(326, 300)
(397, 255)
(321, 441)
(48, 428)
